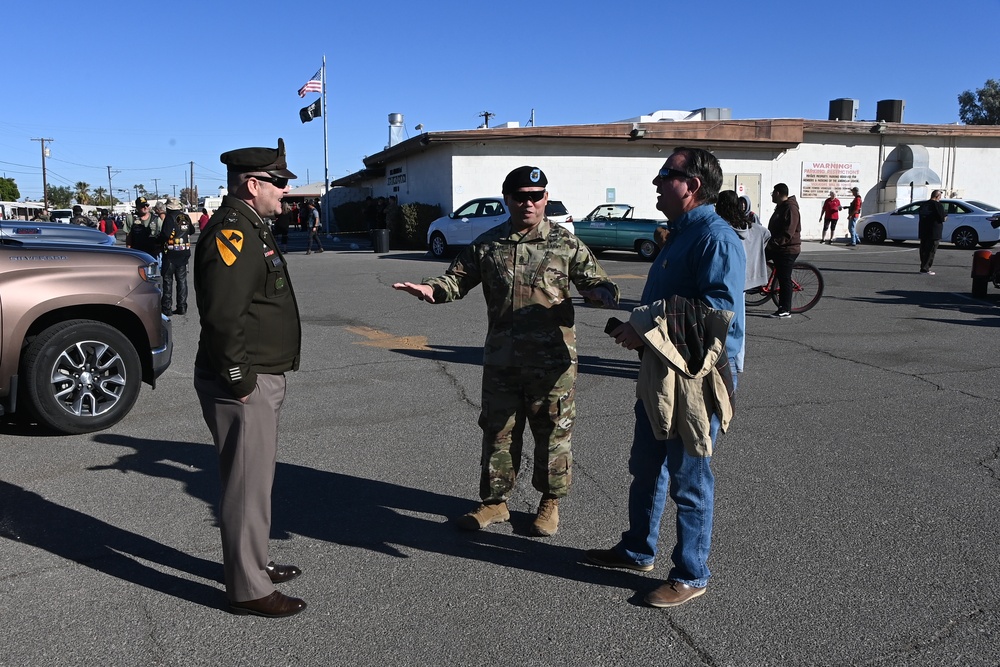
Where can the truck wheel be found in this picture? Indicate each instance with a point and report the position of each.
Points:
(81, 376)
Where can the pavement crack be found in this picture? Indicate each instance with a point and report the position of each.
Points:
(896, 657)
(990, 463)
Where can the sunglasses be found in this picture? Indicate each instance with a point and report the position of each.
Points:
(522, 196)
(276, 181)
(667, 174)
(143, 205)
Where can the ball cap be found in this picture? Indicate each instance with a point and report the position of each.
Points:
(141, 201)
(271, 160)
(524, 177)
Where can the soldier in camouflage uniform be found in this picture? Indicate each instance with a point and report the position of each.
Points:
(526, 266)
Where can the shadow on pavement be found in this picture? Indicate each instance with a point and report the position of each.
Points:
(317, 504)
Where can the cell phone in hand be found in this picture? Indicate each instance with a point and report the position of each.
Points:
(613, 323)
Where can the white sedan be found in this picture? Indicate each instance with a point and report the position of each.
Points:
(469, 221)
(968, 223)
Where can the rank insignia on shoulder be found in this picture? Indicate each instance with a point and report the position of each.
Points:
(230, 244)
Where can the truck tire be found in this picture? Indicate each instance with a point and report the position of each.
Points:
(81, 376)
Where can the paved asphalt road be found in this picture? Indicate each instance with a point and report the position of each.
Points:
(856, 518)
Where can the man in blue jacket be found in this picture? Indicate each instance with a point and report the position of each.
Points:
(702, 259)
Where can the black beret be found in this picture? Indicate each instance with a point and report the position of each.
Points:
(524, 177)
(271, 160)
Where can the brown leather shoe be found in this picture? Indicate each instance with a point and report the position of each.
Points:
(281, 573)
(275, 605)
(673, 594)
(611, 558)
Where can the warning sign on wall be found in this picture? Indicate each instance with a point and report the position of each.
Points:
(818, 178)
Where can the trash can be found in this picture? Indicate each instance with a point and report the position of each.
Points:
(380, 240)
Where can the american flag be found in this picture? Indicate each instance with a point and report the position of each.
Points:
(313, 85)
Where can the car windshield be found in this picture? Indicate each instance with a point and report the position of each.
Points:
(555, 208)
(609, 212)
(985, 207)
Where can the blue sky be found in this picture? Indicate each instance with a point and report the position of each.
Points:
(147, 89)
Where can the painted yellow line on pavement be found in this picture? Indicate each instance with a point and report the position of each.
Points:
(376, 338)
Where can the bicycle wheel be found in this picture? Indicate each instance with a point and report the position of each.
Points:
(756, 296)
(807, 287)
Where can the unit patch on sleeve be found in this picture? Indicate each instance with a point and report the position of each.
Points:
(230, 243)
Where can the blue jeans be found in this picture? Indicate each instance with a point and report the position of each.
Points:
(660, 467)
(852, 224)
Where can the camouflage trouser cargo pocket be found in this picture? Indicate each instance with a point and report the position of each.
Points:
(545, 400)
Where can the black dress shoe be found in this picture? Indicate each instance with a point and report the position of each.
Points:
(275, 605)
(180, 311)
(281, 573)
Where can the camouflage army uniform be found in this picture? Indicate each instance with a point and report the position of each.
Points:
(529, 359)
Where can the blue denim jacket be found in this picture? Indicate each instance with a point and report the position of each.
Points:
(703, 258)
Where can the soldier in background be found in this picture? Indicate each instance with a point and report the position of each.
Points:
(526, 266)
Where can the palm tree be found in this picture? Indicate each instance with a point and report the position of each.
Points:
(140, 190)
(100, 196)
(82, 192)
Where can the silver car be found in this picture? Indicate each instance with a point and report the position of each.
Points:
(51, 232)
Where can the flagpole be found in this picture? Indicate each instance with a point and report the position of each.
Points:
(326, 154)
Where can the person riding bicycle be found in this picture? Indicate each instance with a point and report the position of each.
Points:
(785, 244)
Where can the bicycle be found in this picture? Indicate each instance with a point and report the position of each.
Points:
(807, 287)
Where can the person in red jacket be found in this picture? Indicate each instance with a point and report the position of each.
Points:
(830, 215)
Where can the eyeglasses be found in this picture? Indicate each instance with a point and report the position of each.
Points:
(525, 195)
(276, 181)
(667, 174)
(143, 205)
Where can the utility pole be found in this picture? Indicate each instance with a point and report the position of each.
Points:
(175, 189)
(45, 185)
(192, 190)
(111, 193)
(156, 187)
(486, 115)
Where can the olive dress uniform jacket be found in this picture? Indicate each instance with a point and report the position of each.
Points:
(249, 316)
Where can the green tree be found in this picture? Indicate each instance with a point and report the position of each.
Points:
(140, 188)
(981, 107)
(189, 197)
(60, 197)
(100, 197)
(82, 192)
(8, 190)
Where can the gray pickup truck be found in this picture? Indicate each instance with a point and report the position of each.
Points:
(80, 331)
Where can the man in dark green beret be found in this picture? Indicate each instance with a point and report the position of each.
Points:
(250, 337)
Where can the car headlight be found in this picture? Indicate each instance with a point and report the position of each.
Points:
(150, 272)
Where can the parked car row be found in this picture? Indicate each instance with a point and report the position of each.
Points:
(607, 227)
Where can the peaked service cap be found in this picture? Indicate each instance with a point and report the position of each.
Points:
(271, 160)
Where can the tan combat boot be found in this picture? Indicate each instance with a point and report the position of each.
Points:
(547, 522)
(484, 516)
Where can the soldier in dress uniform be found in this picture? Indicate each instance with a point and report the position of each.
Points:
(526, 266)
(250, 337)
(176, 244)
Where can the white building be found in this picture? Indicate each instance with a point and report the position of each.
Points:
(892, 163)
